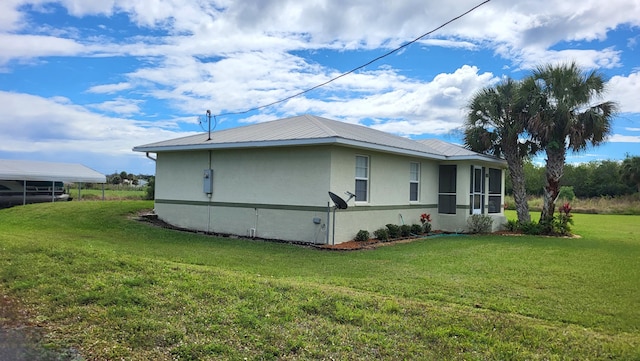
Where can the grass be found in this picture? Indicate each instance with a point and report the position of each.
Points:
(629, 204)
(112, 287)
(111, 192)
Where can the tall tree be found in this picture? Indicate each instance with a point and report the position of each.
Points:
(570, 118)
(631, 171)
(496, 120)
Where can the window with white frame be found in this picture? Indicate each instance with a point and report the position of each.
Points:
(414, 181)
(362, 178)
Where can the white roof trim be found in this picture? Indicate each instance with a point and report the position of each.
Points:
(309, 130)
(48, 171)
(291, 142)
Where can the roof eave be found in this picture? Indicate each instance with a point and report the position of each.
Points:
(291, 142)
(479, 157)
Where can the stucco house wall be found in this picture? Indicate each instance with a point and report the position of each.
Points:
(271, 181)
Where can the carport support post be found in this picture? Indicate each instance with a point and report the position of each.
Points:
(24, 192)
(79, 186)
(53, 191)
(103, 191)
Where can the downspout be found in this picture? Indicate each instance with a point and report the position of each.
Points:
(328, 220)
(255, 225)
(150, 157)
(209, 195)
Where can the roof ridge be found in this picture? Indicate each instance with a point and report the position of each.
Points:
(320, 123)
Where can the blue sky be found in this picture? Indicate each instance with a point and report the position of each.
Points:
(86, 81)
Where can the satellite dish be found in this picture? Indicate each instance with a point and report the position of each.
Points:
(337, 201)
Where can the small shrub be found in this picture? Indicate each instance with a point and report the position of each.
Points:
(562, 221)
(381, 234)
(479, 223)
(362, 236)
(151, 189)
(425, 219)
(416, 229)
(566, 193)
(394, 230)
(512, 225)
(533, 228)
(405, 230)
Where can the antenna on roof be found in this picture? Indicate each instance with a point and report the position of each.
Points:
(207, 119)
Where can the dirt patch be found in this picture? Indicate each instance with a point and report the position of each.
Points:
(21, 340)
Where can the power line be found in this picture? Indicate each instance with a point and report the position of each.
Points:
(359, 67)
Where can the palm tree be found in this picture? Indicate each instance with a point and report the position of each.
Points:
(568, 119)
(496, 119)
(631, 170)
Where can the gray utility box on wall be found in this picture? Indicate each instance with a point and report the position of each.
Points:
(207, 181)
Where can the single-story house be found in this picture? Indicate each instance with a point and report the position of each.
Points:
(271, 180)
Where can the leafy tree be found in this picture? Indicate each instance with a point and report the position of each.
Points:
(606, 179)
(580, 177)
(114, 179)
(534, 178)
(496, 119)
(630, 171)
(566, 120)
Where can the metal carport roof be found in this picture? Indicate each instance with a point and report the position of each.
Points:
(48, 171)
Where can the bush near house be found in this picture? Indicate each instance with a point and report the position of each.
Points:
(479, 223)
(362, 236)
(381, 234)
(394, 230)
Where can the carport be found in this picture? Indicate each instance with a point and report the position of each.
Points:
(26, 170)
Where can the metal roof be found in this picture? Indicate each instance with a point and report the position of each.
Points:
(311, 130)
(48, 171)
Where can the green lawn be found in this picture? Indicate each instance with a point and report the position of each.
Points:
(111, 192)
(113, 287)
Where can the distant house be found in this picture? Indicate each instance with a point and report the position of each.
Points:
(271, 180)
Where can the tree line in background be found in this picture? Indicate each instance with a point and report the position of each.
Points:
(594, 179)
(125, 178)
(555, 110)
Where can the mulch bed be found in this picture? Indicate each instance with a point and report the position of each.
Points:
(370, 244)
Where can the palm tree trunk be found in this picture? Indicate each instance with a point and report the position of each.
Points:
(554, 171)
(516, 172)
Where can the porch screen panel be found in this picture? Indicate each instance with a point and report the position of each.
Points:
(495, 190)
(447, 189)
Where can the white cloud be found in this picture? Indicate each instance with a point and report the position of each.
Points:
(37, 124)
(10, 17)
(620, 138)
(120, 106)
(625, 90)
(531, 57)
(109, 88)
(32, 46)
(229, 55)
(409, 107)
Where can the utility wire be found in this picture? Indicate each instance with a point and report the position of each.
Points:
(359, 67)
